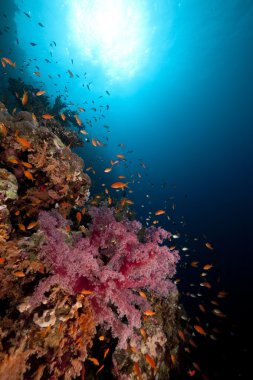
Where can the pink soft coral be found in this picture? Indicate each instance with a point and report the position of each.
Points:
(112, 263)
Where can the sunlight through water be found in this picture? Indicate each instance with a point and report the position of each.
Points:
(114, 34)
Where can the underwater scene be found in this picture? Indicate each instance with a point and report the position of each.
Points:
(126, 183)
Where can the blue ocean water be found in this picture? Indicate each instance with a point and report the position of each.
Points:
(173, 81)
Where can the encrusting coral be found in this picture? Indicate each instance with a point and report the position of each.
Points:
(72, 274)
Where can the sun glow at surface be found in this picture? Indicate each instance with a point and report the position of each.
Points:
(114, 34)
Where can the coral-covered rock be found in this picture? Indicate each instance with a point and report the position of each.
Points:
(46, 170)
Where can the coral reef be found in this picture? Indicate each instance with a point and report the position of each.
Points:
(39, 105)
(81, 286)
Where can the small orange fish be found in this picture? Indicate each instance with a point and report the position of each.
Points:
(159, 212)
(191, 372)
(78, 120)
(78, 216)
(94, 143)
(3, 63)
(106, 352)
(222, 294)
(9, 61)
(209, 246)
(25, 98)
(83, 132)
(34, 117)
(207, 266)
(100, 369)
(196, 366)
(81, 109)
(41, 92)
(121, 176)
(37, 73)
(109, 201)
(47, 116)
(86, 292)
(173, 359)
(26, 164)
(143, 333)
(3, 130)
(118, 185)
(142, 294)
(137, 370)
(181, 335)
(149, 312)
(2, 260)
(199, 329)
(219, 313)
(17, 212)
(21, 227)
(68, 228)
(121, 156)
(32, 225)
(194, 264)
(202, 308)
(206, 284)
(107, 170)
(22, 141)
(101, 337)
(150, 361)
(94, 361)
(63, 117)
(28, 175)
(13, 160)
(18, 274)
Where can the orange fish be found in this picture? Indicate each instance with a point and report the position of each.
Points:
(119, 185)
(114, 162)
(78, 120)
(9, 61)
(22, 227)
(137, 370)
(25, 143)
(107, 170)
(101, 337)
(3, 129)
(173, 359)
(68, 228)
(121, 176)
(94, 143)
(47, 116)
(83, 132)
(150, 361)
(78, 216)
(191, 372)
(194, 264)
(13, 160)
(159, 212)
(106, 352)
(86, 292)
(209, 246)
(143, 333)
(37, 73)
(18, 274)
(181, 335)
(222, 294)
(81, 109)
(28, 175)
(100, 369)
(34, 117)
(207, 266)
(149, 312)
(121, 156)
(199, 329)
(206, 284)
(63, 117)
(39, 93)
(109, 201)
(142, 294)
(25, 98)
(201, 307)
(32, 225)
(26, 164)
(94, 361)
(2, 260)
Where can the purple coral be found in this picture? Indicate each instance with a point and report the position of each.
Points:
(112, 263)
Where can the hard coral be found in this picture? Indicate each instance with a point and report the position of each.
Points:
(111, 264)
